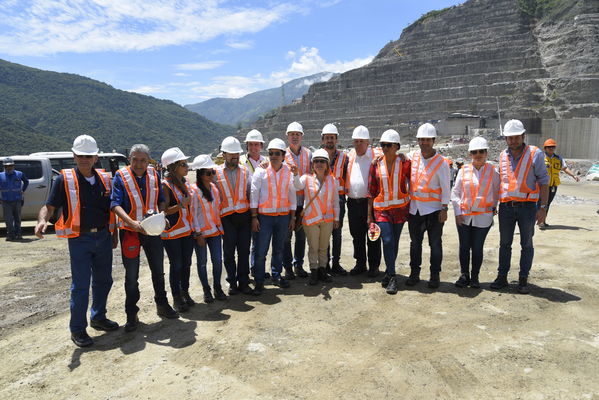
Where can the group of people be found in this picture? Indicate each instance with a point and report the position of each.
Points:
(252, 204)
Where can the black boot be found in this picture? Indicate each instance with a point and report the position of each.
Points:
(323, 276)
(180, 304)
(313, 277)
(208, 298)
(300, 272)
(188, 300)
(463, 281)
(523, 286)
(474, 283)
(132, 323)
(414, 277)
(289, 275)
(499, 283)
(219, 294)
(434, 281)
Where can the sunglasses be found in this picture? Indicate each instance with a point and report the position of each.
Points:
(207, 172)
(383, 145)
(275, 153)
(550, 147)
(474, 152)
(84, 156)
(319, 161)
(184, 165)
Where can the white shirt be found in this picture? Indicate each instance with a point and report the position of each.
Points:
(300, 184)
(358, 181)
(439, 180)
(259, 193)
(479, 220)
(250, 163)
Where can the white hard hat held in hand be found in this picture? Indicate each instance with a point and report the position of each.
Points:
(171, 156)
(360, 132)
(426, 131)
(295, 127)
(276, 144)
(254, 136)
(329, 129)
(513, 127)
(230, 144)
(85, 145)
(390, 136)
(155, 224)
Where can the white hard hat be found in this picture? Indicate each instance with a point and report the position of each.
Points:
(172, 155)
(8, 161)
(295, 127)
(277, 144)
(390, 136)
(230, 144)
(513, 127)
(321, 153)
(203, 161)
(460, 160)
(329, 129)
(85, 145)
(360, 132)
(155, 224)
(426, 131)
(478, 143)
(254, 136)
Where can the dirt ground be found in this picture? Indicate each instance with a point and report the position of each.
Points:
(345, 340)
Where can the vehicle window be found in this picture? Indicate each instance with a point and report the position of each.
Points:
(31, 168)
(67, 163)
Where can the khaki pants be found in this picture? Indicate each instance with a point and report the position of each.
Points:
(318, 236)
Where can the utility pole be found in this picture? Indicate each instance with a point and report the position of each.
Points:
(282, 94)
(499, 116)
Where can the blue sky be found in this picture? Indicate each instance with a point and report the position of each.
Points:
(192, 50)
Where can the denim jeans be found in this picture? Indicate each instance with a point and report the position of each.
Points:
(238, 235)
(275, 227)
(472, 239)
(91, 259)
(525, 217)
(417, 225)
(12, 218)
(216, 256)
(179, 252)
(390, 233)
(299, 249)
(337, 241)
(154, 250)
(357, 212)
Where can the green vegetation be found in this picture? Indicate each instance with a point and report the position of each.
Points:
(537, 9)
(429, 15)
(43, 111)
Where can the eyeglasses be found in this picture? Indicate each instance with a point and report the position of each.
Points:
(387, 145)
(318, 161)
(207, 172)
(275, 153)
(474, 152)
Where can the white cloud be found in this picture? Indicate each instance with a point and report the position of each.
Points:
(181, 74)
(41, 27)
(241, 45)
(200, 66)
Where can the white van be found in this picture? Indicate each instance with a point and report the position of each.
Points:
(109, 162)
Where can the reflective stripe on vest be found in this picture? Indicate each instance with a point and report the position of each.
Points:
(554, 167)
(277, 202)
(183, 225)
(477, 197)
(210, 224)
(139, 206)
(321, 209)
(304, 162)
(513, 183)
(421, 180)
(372, 153)
(337, 171)
(233, 200)
(390, 195)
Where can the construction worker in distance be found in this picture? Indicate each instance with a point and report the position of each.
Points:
(524, 181)
(338, 160)
(234, 183)
(321, 212)
(296, 154)
(430, 194)
(474, 197)
(388, 201)
(178, 238)
(272, 205)
(83, 193)
(555, 164)
(359, 160)
(136, 192)
(13, 184)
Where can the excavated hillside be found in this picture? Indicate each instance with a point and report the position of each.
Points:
(466, 59)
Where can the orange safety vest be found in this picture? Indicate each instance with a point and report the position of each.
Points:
(210, 224)
(337, 170)
(513, 183)
(183, 227)
(420, 181)
(390, 194)
(278, 202)
(373, 153)
(139, 206)
(72, 226)
(304, 162)
(235, 200)
(477, 197)
(322, 208)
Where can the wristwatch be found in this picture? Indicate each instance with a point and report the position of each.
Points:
(543, 206)
(444, 208)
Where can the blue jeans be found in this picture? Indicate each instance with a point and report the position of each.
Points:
(337, 241)
(238, 235)
(91, 259)
(12, 218)
(525, 217)
(179, 252)
(417, 225)
(154, 250)
(299, 249)
(472, 239)
(216, 256)
(275, 227)
(390, 234)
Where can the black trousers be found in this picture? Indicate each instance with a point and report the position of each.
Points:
(357, 214)
(418, 224)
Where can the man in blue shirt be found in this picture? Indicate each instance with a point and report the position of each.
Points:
(12, 185)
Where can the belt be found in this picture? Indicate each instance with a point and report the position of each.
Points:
(519, 203)
(92, 230)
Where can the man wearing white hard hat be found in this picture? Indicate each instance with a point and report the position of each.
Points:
(13, 184)
(388, 201)
(338, 163)
(137, 192)
(430, 194)
(366, 252)
(296, 154)
(272, 205)
(234, 183)
(474, 198)
(83, 193)
(524, 181)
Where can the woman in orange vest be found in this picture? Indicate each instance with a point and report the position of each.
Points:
(208, 227)
(320, 213)
(178, 239)
(474, 198)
